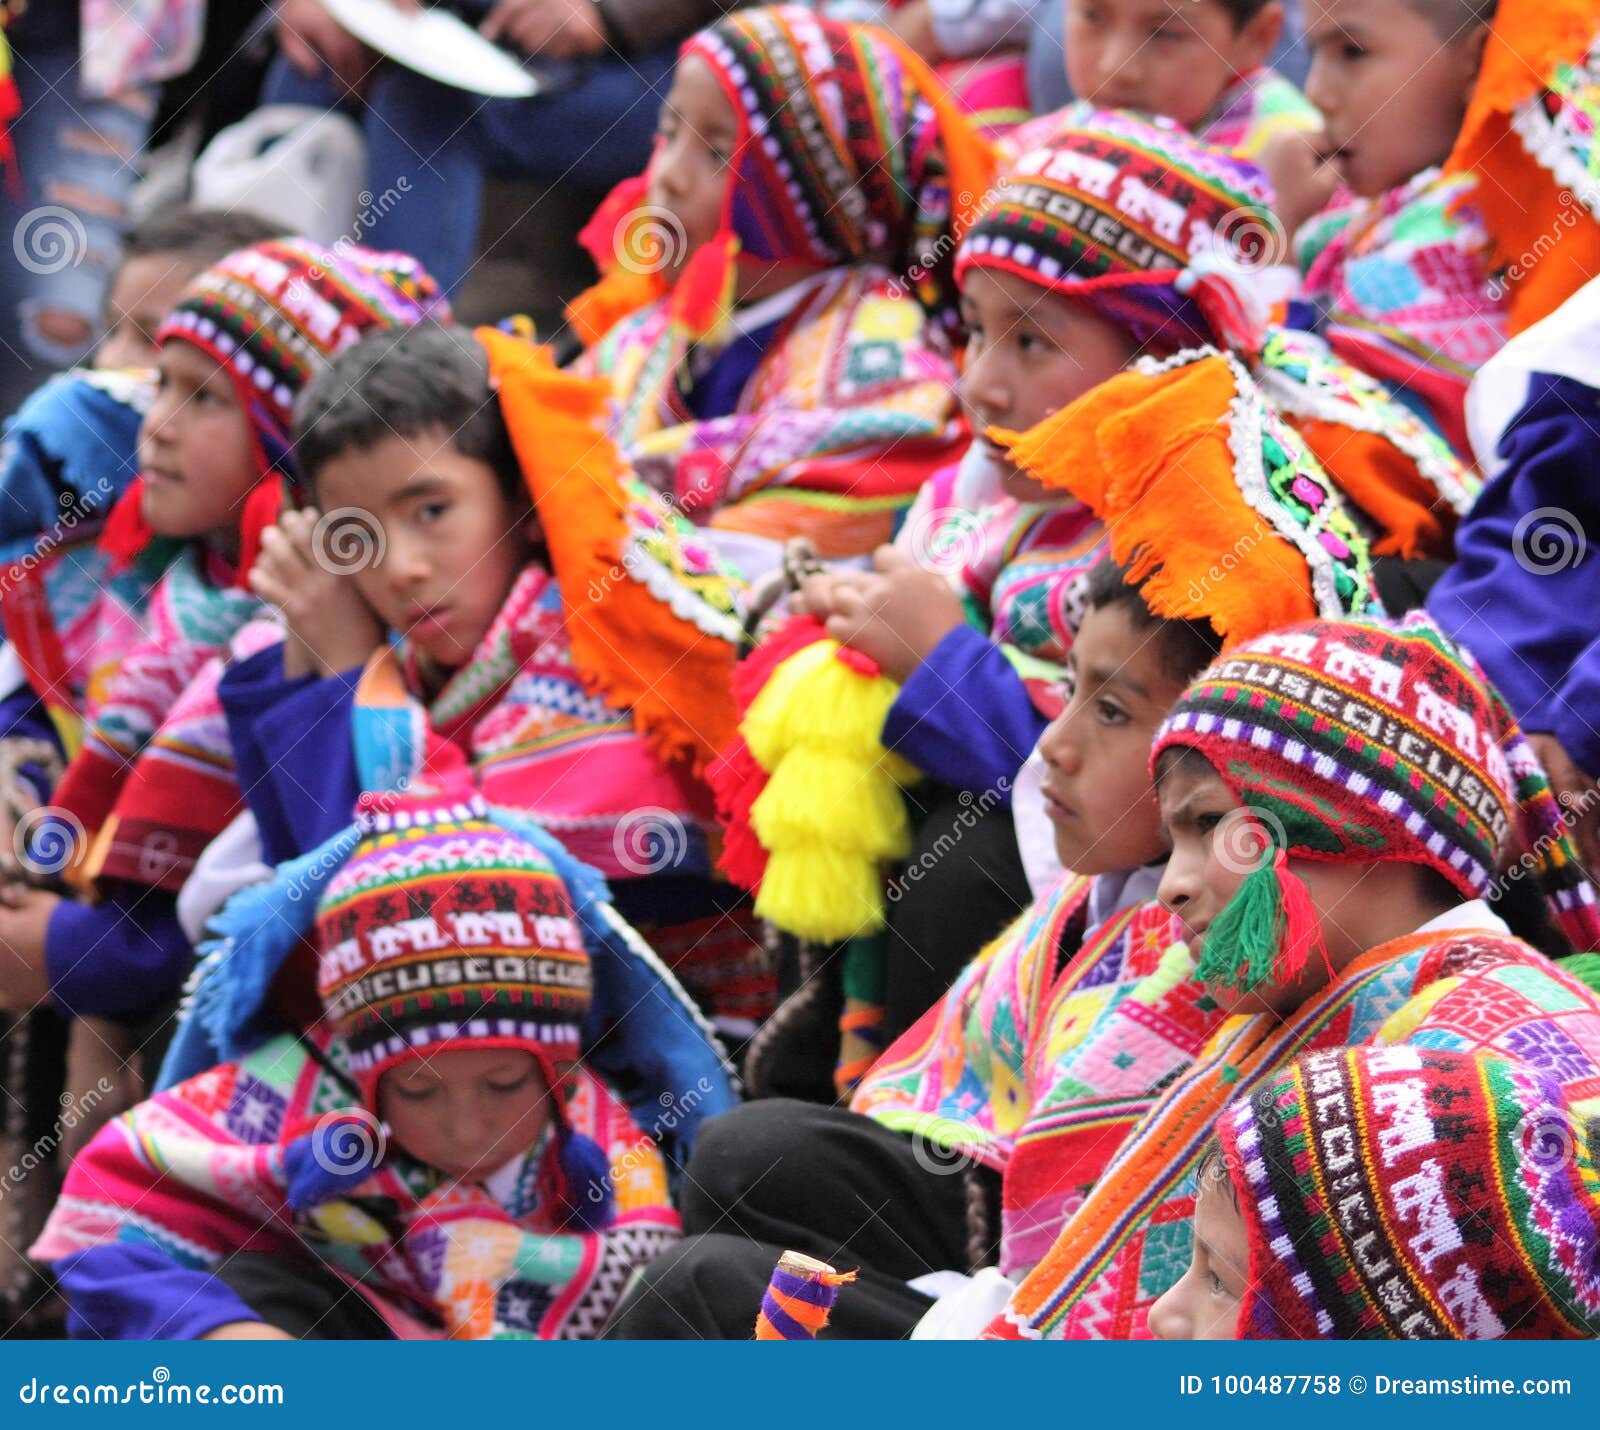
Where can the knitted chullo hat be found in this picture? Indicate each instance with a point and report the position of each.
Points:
(1364, 742)
(849, 151)
(445, 930)
(1116, 211)
(1210, 499)
(274, 315)
(1407, 1193)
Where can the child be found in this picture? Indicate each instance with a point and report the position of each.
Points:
(469, 1174)
(1008, 1052)
(1394, 1194)
(1065, 279)
(1338, 796)
(213, 450)
(1404, 265)
(557, 624)
(160, 258)
(1202, 65)
(820, 170)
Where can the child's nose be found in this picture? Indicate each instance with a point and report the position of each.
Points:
(983, 383)
(1179, 885)
(1168, 1321)
(1057, 747)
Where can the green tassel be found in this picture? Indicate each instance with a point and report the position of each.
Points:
(1241, 945)
(1585, 967)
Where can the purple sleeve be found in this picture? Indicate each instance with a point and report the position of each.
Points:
(133, 1291)
(294, 746)
(965, 717)
(121, 958)
(1521, 594)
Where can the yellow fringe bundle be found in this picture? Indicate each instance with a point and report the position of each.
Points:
(832, 813)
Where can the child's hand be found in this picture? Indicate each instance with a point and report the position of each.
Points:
(898, 616)
(818, 595)
(1302, 181)
(331, 627)
(561, 29)
(24, 918)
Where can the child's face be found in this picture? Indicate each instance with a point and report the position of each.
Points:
(690, 171)
(1097, 788)
(1165, 57)
(1204, 1305)
(1392, 92)
(452, 542)
(1213, 845)
(144, 291)
(196, 451)
(1029, 354)
(466, 1113)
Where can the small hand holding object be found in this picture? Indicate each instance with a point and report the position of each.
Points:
(818, 595)
(330, 625)
(899, 616)
(312, 40)
(560, 29)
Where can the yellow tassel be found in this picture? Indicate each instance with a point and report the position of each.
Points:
(831, 812)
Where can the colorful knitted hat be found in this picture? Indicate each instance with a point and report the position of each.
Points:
(1407, 1193)
(446, 930)
(1211, 500)
(274, 315)
(850, 151)
(1363, 742)
(1529, 137)
(1115, 210)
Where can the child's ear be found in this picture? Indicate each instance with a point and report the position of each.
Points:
(1260, 34)
(1471, 45)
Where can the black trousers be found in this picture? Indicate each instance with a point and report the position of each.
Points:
(301, 1297)
(782, 1175)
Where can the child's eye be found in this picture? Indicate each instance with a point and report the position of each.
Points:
(432, 511)
(1207, 823)
(1216, 1284)
(1110, 713)
(504, 1087)
(414, 1094)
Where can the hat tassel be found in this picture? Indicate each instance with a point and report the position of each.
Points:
(1267, 931)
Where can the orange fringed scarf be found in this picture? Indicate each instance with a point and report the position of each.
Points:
(1524, 204)
(1159, 457)
(629, 647)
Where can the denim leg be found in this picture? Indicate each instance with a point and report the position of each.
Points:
(77, 159)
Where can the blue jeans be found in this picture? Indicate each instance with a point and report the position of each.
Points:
(76, 160)
(431, 147)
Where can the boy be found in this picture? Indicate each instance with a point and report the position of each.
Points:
(557, 625)
(782, 358)
(1202, 65)
(1349, 1197)
(1405, 267)
(160, 258)
(1338, 797)
(447, 1152)
(133, 809)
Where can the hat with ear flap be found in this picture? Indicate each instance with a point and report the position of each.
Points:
(1367, 742)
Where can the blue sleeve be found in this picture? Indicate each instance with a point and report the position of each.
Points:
(294, 747)
(965, 717)
(1573, 714)
(1521, 594)
(121, 958)
(133, 1291)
